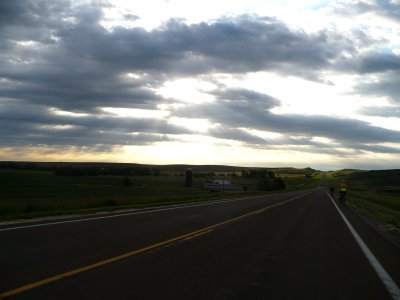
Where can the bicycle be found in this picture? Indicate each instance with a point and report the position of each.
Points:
(332, 190)
(342, 198)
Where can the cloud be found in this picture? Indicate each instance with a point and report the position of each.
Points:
(251, 42)
(383, 8)
(236, 134)
(377, 148)
(38, 125)
(380, 111)
(246, 109)
(254, 43)
(377, 62)
(386, 85)
(74, 63)
(57, 56)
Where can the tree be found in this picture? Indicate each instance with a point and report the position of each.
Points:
(261, 173)
(127, 181)
(271, 184)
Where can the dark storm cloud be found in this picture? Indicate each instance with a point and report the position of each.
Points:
(56, 54)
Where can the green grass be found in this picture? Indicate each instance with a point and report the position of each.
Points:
(374, 194)
(33, 193)
(377, 207)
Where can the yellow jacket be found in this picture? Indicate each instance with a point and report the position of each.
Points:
(343, 187)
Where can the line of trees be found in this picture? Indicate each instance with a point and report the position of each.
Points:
(268, 180)
(112, 170)
(258, 173)
(271, 184)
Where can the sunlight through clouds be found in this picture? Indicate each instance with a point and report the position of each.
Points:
(198, 125)
(259, 83)
(187, 90)
(136, 113)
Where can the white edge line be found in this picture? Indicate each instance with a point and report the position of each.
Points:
(388, 282)
(132, 213)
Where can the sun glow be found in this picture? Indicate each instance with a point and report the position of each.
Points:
(188, 90)
(60, 112)
(198, 125)
(136, 113)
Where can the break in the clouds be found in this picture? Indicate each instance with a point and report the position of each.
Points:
(257, 79)
(245, 109)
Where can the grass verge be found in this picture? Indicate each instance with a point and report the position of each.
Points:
(374, 195)
(39, 193)
(382, 208)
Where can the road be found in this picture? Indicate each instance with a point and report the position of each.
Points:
(287, 246)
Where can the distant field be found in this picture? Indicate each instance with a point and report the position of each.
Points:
(33, 193)
(31, 190)
(375, 194)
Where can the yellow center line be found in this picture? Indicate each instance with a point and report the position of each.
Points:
(197, 235)
(186, 236)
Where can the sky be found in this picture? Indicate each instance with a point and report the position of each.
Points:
(230, 82)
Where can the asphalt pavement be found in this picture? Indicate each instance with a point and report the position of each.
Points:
(287, 246)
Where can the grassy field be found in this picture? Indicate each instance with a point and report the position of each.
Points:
(28, 193)
(375, 194)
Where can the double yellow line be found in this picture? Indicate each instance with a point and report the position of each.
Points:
(186, 236)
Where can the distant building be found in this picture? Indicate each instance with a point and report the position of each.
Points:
(222, 184)
(221, 181)
(189, 177)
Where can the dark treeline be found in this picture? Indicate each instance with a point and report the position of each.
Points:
(258, 173)
(97, 171)
(13, 165)
(84, 169)
(131, 169)
(271, 184)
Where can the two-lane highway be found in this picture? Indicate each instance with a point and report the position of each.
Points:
(287, 246)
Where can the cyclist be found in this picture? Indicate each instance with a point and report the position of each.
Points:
(342, 192)
(332, 189)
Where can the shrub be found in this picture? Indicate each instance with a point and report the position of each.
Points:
(127, 181)
(271, 184)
